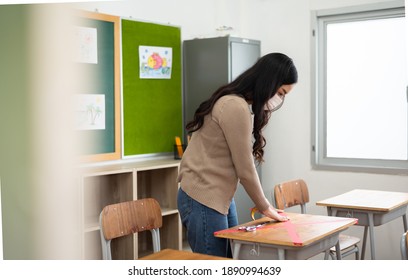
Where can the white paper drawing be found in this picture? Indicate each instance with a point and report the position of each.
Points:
(155, 62)
(86, 45)
(90, 111)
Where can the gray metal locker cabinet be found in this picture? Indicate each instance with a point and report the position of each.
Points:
(208, 64)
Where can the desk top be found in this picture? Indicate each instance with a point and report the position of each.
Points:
(383, 201)
(170, 254)
(300, 230)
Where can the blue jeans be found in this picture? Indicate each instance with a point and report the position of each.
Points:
(201, 222)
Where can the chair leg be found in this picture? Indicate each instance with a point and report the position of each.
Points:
(357, 253)
(156, 239)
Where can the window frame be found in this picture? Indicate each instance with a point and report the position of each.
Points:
(320, 18)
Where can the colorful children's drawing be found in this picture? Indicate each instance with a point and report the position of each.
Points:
(90, 111)
(86, 49)
(155, 62)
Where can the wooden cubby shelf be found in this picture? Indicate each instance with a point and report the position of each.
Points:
(125, 181)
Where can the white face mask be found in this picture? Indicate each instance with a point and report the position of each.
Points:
(275, 102)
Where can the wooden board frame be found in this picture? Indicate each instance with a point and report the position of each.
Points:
(116, 154)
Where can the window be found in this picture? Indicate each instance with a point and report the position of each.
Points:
(361, 116)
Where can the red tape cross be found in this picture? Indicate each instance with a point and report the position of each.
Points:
(291, 229)
(288, 225)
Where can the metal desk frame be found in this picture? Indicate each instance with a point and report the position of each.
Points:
(369, 219)
(371, 207)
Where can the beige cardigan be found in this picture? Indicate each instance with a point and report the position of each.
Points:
(219, 154)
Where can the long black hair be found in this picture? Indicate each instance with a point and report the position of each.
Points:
(256, 85)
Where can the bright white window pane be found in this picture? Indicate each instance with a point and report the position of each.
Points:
(366, 90)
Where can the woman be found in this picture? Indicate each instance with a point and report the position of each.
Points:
(225, 140)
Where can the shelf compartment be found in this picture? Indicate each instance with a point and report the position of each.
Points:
(159, 184)
(99, 191)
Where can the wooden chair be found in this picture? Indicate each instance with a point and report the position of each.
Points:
(122, 219)
(125, 218)
(404, 246)
(295, 192)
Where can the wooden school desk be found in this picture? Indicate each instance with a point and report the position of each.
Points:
(302, 237)
(170, 254)
(371, 208)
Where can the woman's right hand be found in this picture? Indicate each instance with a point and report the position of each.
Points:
(274, 214)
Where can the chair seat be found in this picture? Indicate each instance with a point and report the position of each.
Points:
(346, 241)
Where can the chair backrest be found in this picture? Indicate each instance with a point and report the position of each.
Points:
(291, 193)
(121, 219)
(404, 246)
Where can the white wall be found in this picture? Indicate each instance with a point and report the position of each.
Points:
(282, 26)
(289, 132)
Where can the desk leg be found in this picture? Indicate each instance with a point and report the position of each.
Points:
(329, 211)
(371, 228)
(333, 212)
(281, 254)
(364, 242)
(338, 252)
(237, 248)
(326, 254)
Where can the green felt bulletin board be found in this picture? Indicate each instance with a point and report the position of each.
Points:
(152, 108)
